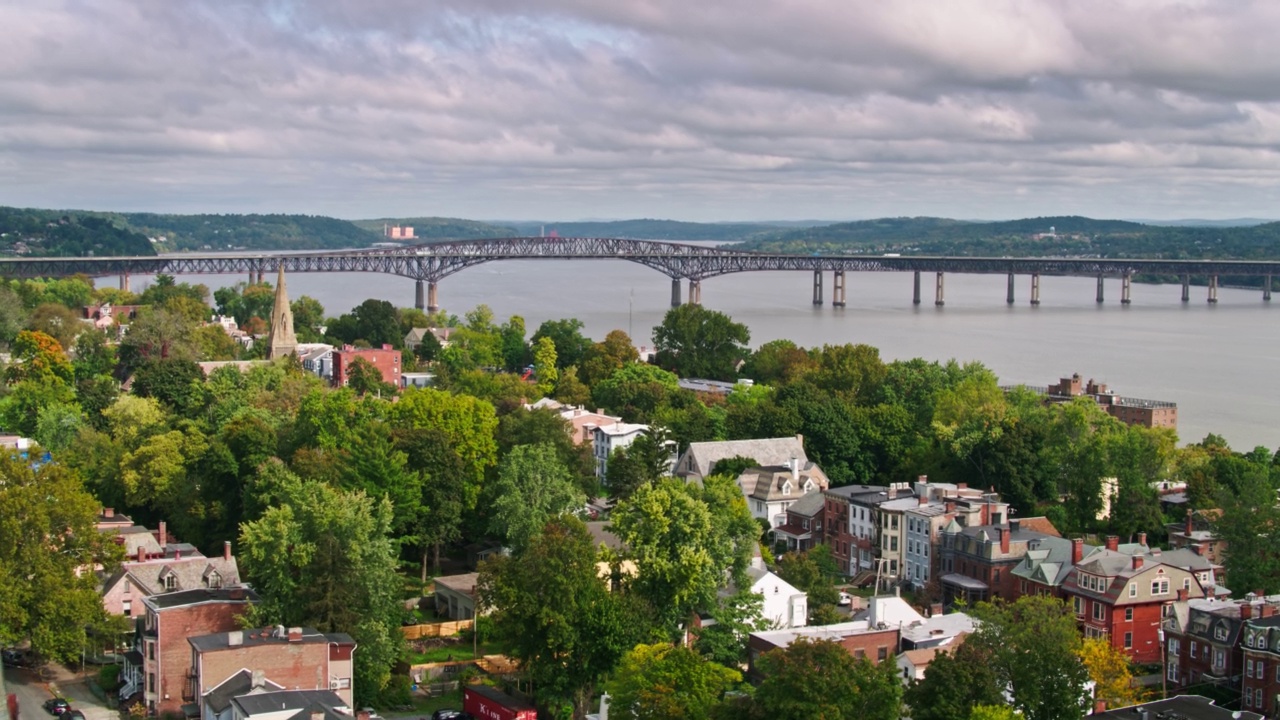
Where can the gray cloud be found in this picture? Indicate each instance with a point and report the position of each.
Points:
(709, 110)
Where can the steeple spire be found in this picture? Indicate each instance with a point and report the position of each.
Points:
(281, 341)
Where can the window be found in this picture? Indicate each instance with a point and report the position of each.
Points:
(1220, 633)
(127, 607)
(151, 651)
(1186, 583)
(1248, 668)
(1128, 614)
(859, 654)
(997, 576)
(151, 682)
(1262, 668)
(1133, 589)
(1160, 587)
(1174, 646)
(1278, 673)
(1098, 612)
(1193, 648)
(1219, 659)
(171, 582)
(1078, 604)
(1173, 672)
(1128, 640)
(882, 653)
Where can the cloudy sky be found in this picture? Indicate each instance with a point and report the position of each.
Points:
(686, 109)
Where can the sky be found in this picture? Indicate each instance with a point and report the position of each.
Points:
(706, 110)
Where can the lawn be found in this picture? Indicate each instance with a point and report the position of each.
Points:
(450, 651)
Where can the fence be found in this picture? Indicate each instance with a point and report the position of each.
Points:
(431, 630)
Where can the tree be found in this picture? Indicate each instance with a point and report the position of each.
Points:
(695, 342)
(157, 334)
(324, 558)
(822, 680)
(1250, 527)
(308, 316)
(555, 613)
(47, 537)
(439, 519)
(1035, 651)
(736, 617)
(467, 422)
(59, 322)
(38, 357)
(532, 487)
(173, 381)
(366, 379)
(568, 339)
(802, 570)
(570, 390)
(13, 315)
(544, 365)
(93, 356)
(635, 390)
(656, 682)
(602, 359)
(515, 353)
(543, 426)
(1109, 670)
(956, 681)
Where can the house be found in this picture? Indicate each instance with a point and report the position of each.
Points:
(414, 337)
(1196, 533)
(386, 359)
(936, 506)
(111, 521)
(604, 538)
(771, 490)
(976, 563)
(608, 438)
(155, 671)
(803, 526)
(417, 379)
(1047, 563)
(216, 703)
(1124, 596)
(317, 359)
(784, 605)
(913, 664)
(155, 569)
(1261, 650)
(700, 459)
(874, 635)
(582, 422)
(1182, 707)
(294, 658)
(1209, 640)
(293, 705)
(456, 596)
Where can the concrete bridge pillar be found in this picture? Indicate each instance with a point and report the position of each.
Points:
(259, 276)
(1186, 288)
(695, 292)
(1008, 298)
(1035, 288)
(837, 288)
(419, 295)
(675, 292)
(817, 287)
(1266, 290)
(1101, 287)
(1213, 288)
(1126, 285)
(915, 298)
(124, 282)
(433, 298)
(937, 292)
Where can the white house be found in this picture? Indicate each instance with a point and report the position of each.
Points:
(771, 490)
(785, 606)
(607, 438)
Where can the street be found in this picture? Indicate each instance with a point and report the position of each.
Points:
(32, 691)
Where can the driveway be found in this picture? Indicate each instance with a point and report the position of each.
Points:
(32, 691)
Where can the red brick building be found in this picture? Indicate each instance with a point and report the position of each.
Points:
(155, 672)
(386, 359)
(976, 563)
(1261, 655)
(292, 659)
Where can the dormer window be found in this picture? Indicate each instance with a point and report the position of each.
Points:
(214, 580)
(786, 488)
(1220, 633)
(171, 582)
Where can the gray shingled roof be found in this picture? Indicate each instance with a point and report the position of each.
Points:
(195, 597)
(769, 483)
(701, 457)
(191, 572)
(302, 700)
(808, 506)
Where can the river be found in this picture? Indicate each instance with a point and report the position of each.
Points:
(1217, 362)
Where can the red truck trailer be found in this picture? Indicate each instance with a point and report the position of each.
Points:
(487, 703)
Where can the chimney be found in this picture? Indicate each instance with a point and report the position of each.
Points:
(924, 500)
(142, 554)
(1246, 610)
(235, 638)
(1077, 550)
(1004, 540)
(259, 679)
(1137, 562)
(1266, 610)
(295, 634)
(1099, 706)
(1113, 543)
(1014, 525)
(1183, 594)
(1142, 539)
(164, 534)
(1195, 549)
(950, 507)
(1187, 528)
(108, 512)
(962, 486)
(226, 550)
(795, 469)
(236, 593)
(177, 554)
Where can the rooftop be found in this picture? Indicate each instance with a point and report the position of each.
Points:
(265, 636)
(1182, 707)
(182, 598)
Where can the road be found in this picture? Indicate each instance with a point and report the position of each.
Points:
(32, 691)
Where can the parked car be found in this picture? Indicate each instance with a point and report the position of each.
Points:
(14, 657)
(57, 706)
(448, 714)
(73, 715)
(845, 599)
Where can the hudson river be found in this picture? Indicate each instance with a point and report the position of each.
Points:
(1219, 363)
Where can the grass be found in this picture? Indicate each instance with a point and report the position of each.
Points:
(454, 651)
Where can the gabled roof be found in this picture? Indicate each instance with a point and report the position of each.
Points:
(189, 572)
(326, 701)
(1049, 562)
(808, 506)
(220, 697)
(701, 457)
(779, 482)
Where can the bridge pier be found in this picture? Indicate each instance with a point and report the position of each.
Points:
(937, 292)
(817, 287)
(1186, 288)
(675, 292)
(1008, 298)
(1266, 290)
(695, 292)
(1213, 288)
(259, 276)
(124, 282)
(1126, 285)
(915, 298)
(837, 288)
(433, 299)
(1035, 288)
(419, 295)
(1101, 294)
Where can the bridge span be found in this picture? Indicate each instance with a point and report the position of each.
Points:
(431, 263)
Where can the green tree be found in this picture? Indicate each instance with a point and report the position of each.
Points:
(439, 518)
(570, 390)
(59, 322)
(467, 422)
(366, 379)
(515, 352)
(603, 359)
(158, 334)
(778, 362)
(13, 315)
(308, 316)
(47, 537)
(822, 680)
(532, 487)
(555, 613)
(324, 558)
(635, 391)
(174, 382)
(695, 342)
(1035, 650)
(571, 345)
(93, 356)
(737, 615)
(656, 682)
(956, 681)
(1250, 527)
(544, 366)
(537, 427)
(39, 358)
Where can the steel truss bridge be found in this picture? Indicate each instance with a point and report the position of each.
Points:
(428, 264)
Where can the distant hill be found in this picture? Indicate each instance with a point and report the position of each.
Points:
(1065, 236)
(652, 230)
(438, 228)
(251, 232)
(66, 233)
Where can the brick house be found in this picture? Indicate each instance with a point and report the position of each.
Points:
(155, 671)
(1207, 640)
(291, 659)
(849, 525)
(803, 527)
(171, 567)
(1126, 596)
(976, 563)
(1261, 653)
(1196, 534)
(386, 359)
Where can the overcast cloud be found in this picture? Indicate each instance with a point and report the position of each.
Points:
(706, 110)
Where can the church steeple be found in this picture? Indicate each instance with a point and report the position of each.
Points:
(281, 341)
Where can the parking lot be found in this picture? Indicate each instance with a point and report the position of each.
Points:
(33, 689)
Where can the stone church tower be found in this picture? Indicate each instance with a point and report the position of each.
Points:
(281, 341)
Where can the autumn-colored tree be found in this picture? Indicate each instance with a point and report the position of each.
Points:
(40, 358)
(1109, 671)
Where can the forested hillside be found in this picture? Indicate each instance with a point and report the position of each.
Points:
(251, 232)
(25, 231)
(437, 228)
(654, 230)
